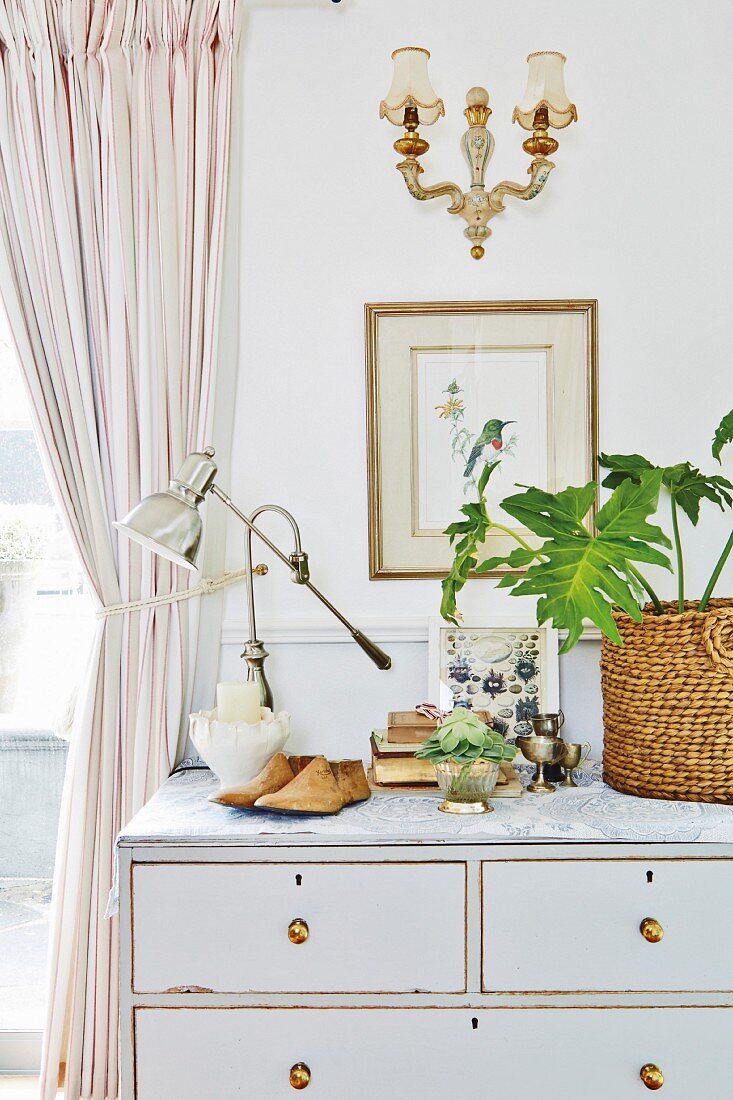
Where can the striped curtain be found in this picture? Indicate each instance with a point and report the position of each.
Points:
(115, 156)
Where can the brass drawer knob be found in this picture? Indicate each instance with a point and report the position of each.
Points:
(651, 930)
(298, 932)
(300, 1076)
(652, 1076)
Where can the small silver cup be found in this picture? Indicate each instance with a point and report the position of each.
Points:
(548, 724)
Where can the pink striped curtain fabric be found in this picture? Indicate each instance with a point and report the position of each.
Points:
(115, 149)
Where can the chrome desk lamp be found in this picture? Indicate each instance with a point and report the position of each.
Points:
(169, 524)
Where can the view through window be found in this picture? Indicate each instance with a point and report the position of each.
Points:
(46, 625)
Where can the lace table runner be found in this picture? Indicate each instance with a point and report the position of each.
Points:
(180, 811)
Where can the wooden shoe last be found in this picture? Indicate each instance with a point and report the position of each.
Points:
(274, 776)
(300, 785)
(349, 775)
(313, 791)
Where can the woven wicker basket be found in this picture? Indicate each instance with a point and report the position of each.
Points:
(668, 704)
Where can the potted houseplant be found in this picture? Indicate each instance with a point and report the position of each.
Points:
(22, 546)
(466, 755)
(666, 666)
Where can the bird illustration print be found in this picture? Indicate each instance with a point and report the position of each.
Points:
(490, 437)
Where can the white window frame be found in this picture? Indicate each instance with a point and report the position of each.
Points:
(20, 1052)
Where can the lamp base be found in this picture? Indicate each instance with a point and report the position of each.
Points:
(254, 653)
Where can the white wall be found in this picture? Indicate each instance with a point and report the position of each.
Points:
(637, 215)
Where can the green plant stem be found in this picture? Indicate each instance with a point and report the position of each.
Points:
(508, 531)
(716, 573)
(462, 777)
(680, 560)
(648, 589)
(493, 525)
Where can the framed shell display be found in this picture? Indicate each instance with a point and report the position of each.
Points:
(508, 667)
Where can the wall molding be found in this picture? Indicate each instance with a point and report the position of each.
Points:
(329, 632)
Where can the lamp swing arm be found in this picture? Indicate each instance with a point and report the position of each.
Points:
(222, 496)
(297, 563)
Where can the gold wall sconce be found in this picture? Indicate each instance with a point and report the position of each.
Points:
(411, 102)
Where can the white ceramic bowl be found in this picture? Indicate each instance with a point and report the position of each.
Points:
(237, 751)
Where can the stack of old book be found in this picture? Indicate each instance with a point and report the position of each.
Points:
(395, 766)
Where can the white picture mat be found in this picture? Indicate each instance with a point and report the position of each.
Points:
(503, 383)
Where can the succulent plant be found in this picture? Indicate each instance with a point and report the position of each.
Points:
(464, 738)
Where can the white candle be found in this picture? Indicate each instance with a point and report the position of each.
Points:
(238, 701)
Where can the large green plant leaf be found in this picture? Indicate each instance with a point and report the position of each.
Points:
(576, 574)
(623, 467)
(723, 434)
(688, 486)
(549, 514)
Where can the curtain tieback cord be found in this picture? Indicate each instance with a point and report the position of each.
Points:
(204, 588)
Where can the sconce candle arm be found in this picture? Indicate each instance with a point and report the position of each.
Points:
(478, 205)
(539, 170)
(411, 170)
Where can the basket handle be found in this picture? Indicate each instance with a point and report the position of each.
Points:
(717, 636)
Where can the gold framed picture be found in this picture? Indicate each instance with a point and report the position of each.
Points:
(454, 385)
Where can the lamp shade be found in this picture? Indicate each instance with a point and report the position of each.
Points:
(169, 523)
(545, 88)
(411, 87)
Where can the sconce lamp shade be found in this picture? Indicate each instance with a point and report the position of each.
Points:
(411, 87)
(546, 88)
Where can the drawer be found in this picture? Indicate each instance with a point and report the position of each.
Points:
(227, 927)
(431, 1054)
(575, 925)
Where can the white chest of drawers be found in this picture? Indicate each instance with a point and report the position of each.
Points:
(393, 953)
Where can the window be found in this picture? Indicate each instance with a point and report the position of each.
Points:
(46, 625)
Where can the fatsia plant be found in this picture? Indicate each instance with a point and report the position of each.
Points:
(687, 488)
(577, 572)
(723, 434)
